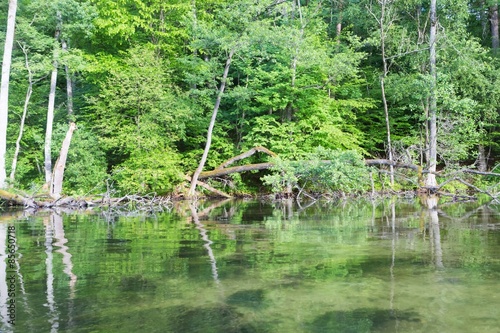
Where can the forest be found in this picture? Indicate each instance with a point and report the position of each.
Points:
(308, 97)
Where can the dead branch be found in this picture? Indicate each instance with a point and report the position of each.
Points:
(208, 187)
(481, 173)
(241, 168)
(475, 188)
(371, 162)
(246, 154)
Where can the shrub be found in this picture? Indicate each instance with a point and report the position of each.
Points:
(324, 171)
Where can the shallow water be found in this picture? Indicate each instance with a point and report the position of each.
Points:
(246, 266)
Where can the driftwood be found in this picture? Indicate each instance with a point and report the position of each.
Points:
(147, 202)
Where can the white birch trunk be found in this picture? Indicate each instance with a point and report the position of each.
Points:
(4, 89)
(57, 182)
(50, 121)
(50, 112)
(431, 177)
(194, 179)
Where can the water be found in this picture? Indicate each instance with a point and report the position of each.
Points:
(246, 266)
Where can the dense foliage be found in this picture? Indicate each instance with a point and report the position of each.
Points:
(304, 82)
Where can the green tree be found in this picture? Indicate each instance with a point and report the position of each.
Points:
(140, 117)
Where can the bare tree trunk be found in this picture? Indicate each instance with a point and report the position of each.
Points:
(23, 117)
(493, 18)
(482, 165)
(69, 83)
(61, 164)
(50, 113)
(289, 108)
(431, 178)
(192, 189)
(382, 87)
(4, 89)
(494, 28)
(49, 126)
(338, 27)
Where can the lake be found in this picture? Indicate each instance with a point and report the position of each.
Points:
(388, 265)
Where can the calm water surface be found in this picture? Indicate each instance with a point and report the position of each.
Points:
(246, 266)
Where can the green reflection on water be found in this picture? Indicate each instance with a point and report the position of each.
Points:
(248, 266)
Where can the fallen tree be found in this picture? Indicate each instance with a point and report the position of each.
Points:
(225, 169)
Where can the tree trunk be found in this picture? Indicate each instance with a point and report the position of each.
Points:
(338, 27)
(240, 168)
(246, 154)
(50, 112)
(23, 117)
(482, 164)
(493, 18)
(431, 178)
(61, 164)
(4, 89)
(494, 29)
(69, 83)
(382, 87)
(49, 126)
(192, 189)
(289, 107)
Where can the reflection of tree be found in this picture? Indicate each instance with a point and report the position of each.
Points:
(53, 314)
(54, 234)
(66, 259)
(204, 236)
(393, 251)
(434, 230)
(3, 276)
(63, 249)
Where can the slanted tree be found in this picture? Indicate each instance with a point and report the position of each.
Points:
(238, 18)
(29, 92)
(57, 182)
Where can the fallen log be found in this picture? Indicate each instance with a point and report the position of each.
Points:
(246, 154)
(240, 168)
(17, 200)
(208, 187)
